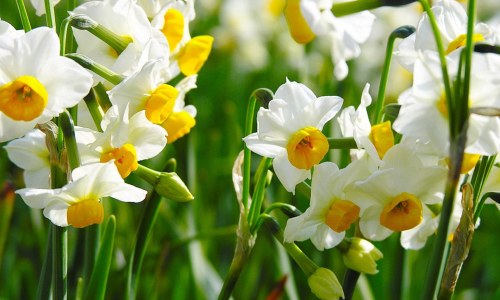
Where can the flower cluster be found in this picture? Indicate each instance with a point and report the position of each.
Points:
(131, 108)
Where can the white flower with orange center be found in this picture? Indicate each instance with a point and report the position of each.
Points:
(30, 153)
(310, 18)
(187, 54)
(78, 202)
(290, 131)
(147, 90)
(123, 140)
(424, 112)
(451, 21)
(129, 21)
(331, 213)
(376, 140)
(394, 196)
(36, 83)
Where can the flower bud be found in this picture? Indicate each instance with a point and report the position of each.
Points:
(172, 187)
(325, 285)
(362, 256)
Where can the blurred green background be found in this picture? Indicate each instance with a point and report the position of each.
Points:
(193, 244)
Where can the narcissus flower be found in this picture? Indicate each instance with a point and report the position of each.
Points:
(395, 195)
(361, 256)
(36, 83)
(124, 141)
(78, 202)
(31, 154)
(331, 213)
(290, 131)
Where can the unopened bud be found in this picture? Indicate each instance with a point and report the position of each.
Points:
(325, 285)
(362, 256)
(171, 186)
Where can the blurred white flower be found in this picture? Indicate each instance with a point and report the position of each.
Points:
(39, 6)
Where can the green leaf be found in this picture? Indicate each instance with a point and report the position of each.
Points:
(97, 285)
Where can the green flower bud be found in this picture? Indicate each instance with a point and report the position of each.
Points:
(172, 187)
(325, 285)
(362, 256)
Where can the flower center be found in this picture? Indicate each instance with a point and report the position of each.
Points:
(341, 215)
(125, 159)
(178, 125)
(307, 147)
(461, 40)
(173, 28)
(468, 163)
(297, 24)
(161, 103)
(194, 54)
(382, 138)
(402, 213)
(85, 213)
(23, 99)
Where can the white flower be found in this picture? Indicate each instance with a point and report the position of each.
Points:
(290, 131)
(77, 203)
(128, 20)
(424, 112)
(122, 140)
(36, 83)
(331, 212)
(31, 154)
(394, 195)
(451, 21)
(344, 33)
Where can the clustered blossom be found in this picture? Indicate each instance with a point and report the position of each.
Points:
(396, 179)
(37, 83)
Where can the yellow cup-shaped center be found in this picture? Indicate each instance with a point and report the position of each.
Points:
(382, 137)
(194, 54)
(125, 159)
(460, 41)
(173, 29)
(341, 215)
(85, 213)
(177, 125)
(468, 163)
(297, 24)
(307, 147)
(23, 99)
(402, 213)
(161, 103)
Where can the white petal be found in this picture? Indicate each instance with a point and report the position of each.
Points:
(37, 198)
(289, 175)
(262, 148)
(325, 238)
(300, 228)
(370, 225)
(57, 213)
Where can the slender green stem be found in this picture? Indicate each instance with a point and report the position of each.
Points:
(24, 15)
(94, 108)
(249, 120)
(142, 238)
(43, 290)
(351, 7)
(102, 95)
(349, 283)
(258, 195)
(68, 130)
(290, 210)
(401, 32)
(342, 143)
(59, 262)
(91, 248)
(49, 14)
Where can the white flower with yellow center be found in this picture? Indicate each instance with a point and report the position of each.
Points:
(394, 196)
(78, 202)
(30, 153)
(126, 19)
(36, 83)
(290, 131)
(310, 18)
(424, 112)
(124, 141)
(451, 21)
(187, 54)
(146, 90)
(331, 213)
(375, 140)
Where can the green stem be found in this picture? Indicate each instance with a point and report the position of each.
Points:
(142, 238)
(49, 13)
(91, 248)
(24, 15)
(68, 130)
(95, 67)
(94, 108)
(247, 154)
(351, 7)
(342, 143)
(289, 210)
(59, 262)
(401, 32)
(258, 195)
(102, 95)
(349, 283)
(43, 290)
